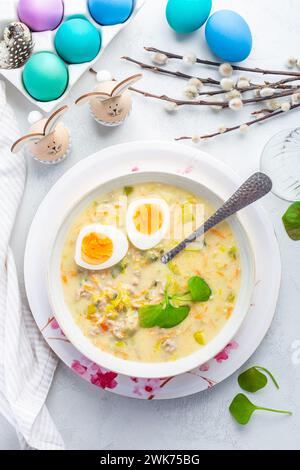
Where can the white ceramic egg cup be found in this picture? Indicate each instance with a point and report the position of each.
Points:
(44, 41)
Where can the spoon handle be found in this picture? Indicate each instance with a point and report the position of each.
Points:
(257, 186)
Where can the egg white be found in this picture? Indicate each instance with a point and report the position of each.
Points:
(119, 241)
(141, 240)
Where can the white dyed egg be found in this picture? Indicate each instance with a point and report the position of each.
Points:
(147, 222)
(100, 247)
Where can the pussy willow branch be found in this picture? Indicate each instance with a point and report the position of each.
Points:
(166, 98)
(281, 84)
(262, 111)
(171, 55)
(178, 74)
(220, 104)
(234, 128)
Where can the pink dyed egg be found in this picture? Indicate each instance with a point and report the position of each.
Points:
(41, 15)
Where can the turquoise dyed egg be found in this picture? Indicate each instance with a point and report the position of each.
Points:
(185, 16)
(45, 76)
(109, 12)
(77, 41)
(228, 36)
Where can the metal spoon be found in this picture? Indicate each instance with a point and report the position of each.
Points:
(257, 186)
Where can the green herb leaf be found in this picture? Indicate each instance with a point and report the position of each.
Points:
(172, 316)
(199, 289)
(242, 409)
(253, 380)
(291, 220)
(149, 314)
(171, 312)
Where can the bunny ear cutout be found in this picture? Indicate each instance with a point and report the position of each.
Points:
(19, 144)
(125, 84)
(94, 94)
(52, 120)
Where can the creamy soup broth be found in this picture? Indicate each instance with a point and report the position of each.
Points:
(105, 303)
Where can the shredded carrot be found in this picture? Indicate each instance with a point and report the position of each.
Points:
(218, 233)
(229, 312)
(122, 354)
(220, 274)
(64, 279)
(199, 316)
(236, 274)
(73, 273)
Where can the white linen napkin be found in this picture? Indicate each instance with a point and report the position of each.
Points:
(27, 364)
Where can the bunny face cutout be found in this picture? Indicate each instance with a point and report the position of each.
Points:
(51, 147)
(111, 101)
(48, 141)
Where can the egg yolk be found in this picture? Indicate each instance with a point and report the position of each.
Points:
(96, 248)
(148, 219)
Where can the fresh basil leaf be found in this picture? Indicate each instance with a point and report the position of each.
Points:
(149, 314)
(199, 289)
(172, 316)
(291, 221)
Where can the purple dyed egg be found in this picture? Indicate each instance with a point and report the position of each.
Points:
(41, 15)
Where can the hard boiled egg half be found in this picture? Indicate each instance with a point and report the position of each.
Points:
(147, 222)
(100, 247)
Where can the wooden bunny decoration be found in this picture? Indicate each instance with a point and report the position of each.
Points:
(48, 140)
(111, 102)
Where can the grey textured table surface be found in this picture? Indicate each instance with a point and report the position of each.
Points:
(89, 418)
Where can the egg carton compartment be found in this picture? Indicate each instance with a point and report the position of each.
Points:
(44, 42)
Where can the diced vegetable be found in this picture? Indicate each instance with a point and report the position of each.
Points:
(195, 246)
(151, 256)
(231, 297)
(173, 267)
(128, 190)
(119, 268)
(233, 252)
(91, 309)
(199, 337)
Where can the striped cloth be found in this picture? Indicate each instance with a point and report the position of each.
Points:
(27, 364)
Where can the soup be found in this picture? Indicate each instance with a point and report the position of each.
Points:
(124, 299)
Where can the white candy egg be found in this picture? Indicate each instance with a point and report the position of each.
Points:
(100, 247)
(147, 222)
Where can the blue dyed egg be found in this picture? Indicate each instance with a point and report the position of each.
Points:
(77, 41)
(185, 16)
(228, 36)
(109, 12)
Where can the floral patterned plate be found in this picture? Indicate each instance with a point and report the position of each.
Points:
(175, 158)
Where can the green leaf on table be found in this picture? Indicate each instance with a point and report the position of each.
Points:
(199, 289)
(242, 409)
(254, 379)
(172, 316)
(291, 221)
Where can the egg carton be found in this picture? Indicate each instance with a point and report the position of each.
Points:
(44, 41)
